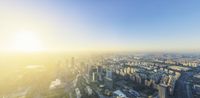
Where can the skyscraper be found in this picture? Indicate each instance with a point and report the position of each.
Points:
(72, 62)
(99, 72)
(162, 90)
(99, 69)
(109, 74)
(94, 77)
(108, 83)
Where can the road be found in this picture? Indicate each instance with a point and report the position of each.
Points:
(181, 85)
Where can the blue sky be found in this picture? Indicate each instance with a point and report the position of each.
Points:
(143, 25)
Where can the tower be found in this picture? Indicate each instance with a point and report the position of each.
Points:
(162, 90)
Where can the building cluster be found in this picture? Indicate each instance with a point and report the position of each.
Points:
(123, 76)
(127, 76)
(151, 77)
(150, 74)
(82, 88)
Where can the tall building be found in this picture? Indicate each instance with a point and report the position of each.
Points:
(100, 77)
(72, 62)
(91, 70)
(94, 77)
(162, 90)
(108, 83)
(78, 93)
(99, 73)
(109, 74)
(189, 90)
(88, 70)
(99, 69)
(67, 63)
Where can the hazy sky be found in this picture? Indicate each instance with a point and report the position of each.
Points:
(81, 25)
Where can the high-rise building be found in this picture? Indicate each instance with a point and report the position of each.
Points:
(88, 69)
(99, 69)
(163, 93)
(91, 70)
(94, 77)
(99, 73)
(67, 63)
(100, 77)
(72, 62)
(108, 83)
(109, 74)
(188, 90)
(78, 93)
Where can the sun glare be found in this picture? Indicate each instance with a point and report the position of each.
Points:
(26, 42)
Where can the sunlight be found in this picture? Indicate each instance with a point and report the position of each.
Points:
(26, 42)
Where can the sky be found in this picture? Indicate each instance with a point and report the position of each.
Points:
(99, 25)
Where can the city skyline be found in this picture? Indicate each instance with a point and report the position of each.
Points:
(28, 26)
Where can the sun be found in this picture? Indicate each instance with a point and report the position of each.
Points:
(26, 42)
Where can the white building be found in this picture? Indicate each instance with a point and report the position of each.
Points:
(119, 94)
